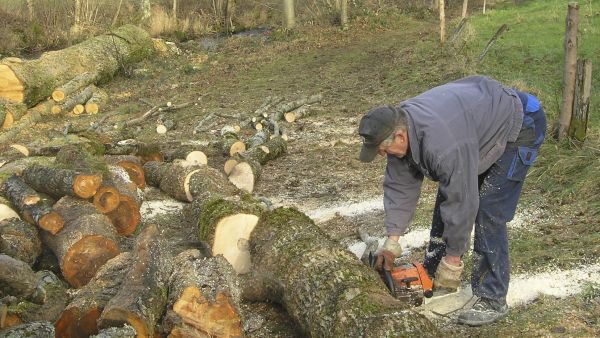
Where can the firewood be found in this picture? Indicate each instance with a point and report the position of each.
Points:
(75, 99)
(16, 278)
(191, 153)
(299, 113)
(36, 208)
(132, 166)
(37, 329)
(289, 106)
(76, 84)
(7, 210)
(61, 182)
(126, 215)
(79, 319)
(141, 299)
(34, 80)
(86, 242)
(231, 141)
(10, 112)
(125, 331)
(96, 102)
(203, 297)
(246, 172)
(116, 182)
(20, 240)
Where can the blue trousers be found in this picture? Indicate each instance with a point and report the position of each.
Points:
(499, 191)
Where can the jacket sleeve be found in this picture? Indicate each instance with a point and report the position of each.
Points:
(457, 173)
(401, 190)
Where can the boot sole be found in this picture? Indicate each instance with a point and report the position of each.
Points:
(481, 323)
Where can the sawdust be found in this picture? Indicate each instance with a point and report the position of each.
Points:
(152, 209)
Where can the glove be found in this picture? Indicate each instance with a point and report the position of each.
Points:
(388, 253)
(447, 277)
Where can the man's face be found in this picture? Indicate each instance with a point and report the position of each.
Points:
(398, 147)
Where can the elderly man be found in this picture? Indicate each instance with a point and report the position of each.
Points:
(477, 138)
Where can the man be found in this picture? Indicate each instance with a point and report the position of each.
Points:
(477, 138)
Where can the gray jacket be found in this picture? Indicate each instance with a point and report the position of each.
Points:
(456, 132)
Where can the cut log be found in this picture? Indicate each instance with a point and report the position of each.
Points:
(10, 112)
(126, 217)
(246, 172)
(132, 166)
(124, 184)
(125, 331)
(259, 138)
(97, 101)
(79, 319)
(86, 242)
(299, 113)
(142, 297)
(76, 84)
(37, 330)
(61, 182)
(20, 240)
(16, 278)
(289, 106)
(203, 297)
(229, 165)
(323, 286)
(191, 153)
(35, 208)
(77, 99)
(32, 81)
(7, 209)
(108, 196)
(231, 141)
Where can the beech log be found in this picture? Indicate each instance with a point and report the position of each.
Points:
(34, 80)
(86, 242)
(61, 182)
(203, 297)
(79, 319)
(20, 240)
(34, 207)
(142, 298)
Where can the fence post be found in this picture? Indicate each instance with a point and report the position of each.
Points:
(288, 8)
(581, 101)
(572, 23)
(442, 22)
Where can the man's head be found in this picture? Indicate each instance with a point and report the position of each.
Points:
(383, 131)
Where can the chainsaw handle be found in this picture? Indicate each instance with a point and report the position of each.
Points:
(389, 281)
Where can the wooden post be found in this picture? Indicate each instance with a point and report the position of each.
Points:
(344, 14)
(572, 23)
(464, 8)
(484, 3)
(581, 101)
(288, 9)
(442, 22)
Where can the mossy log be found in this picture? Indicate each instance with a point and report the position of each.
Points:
(203, 297)
(190, 153)
(79, 319)
(86, 242)
(185, 181)
(74, 85)
(47, 302)
(36, 329)
(16, 278)
(142, 298)
(34, 207)
(34, 80)
(20, 240)
(61, 182)
(246, 172)
(10, 112)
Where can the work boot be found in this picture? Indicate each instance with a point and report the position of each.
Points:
(484, 311)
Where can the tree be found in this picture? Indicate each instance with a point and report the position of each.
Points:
(145, 5)
(30, 9)
(288, 9)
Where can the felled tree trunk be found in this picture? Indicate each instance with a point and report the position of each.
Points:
(10, 112)
(203, 297)
(79, 319)
(7, 210)
(246, 172)
(16, 278)
(142, 297)
(38, 330)
(32, 81)
(77, 83)
(61, 182)
(132, 165)
(279, 112)
(322, 286)
(126, 216)
(20, 240)
(86, 242)
(35, 208)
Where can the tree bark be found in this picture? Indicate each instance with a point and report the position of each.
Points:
(32, 81)
(231, 142)
(344, 14)
(290, 17)
(86, 242)
(38, 330)
(61, 182)
(16, 278)
(570, 70)
(10, 112)
(581, 102)
(20, 240)
(79, 319)
(74, 100)
(464, 8)
(126, 331)
(142, 297)
(34, 207)
(132, 166)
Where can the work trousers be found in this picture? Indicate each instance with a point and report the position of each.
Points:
(499, 190)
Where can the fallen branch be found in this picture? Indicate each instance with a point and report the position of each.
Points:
(491, 42)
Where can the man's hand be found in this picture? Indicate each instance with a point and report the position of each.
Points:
(447, 275)
(388, 253)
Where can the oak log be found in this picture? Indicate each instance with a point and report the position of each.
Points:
(61, 182)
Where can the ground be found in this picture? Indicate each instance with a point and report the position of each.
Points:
(370, 64)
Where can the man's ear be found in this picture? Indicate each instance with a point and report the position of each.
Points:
(401, 134)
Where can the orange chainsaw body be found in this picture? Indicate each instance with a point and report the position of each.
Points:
(412, 283)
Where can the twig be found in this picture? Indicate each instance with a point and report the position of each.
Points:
(200, 125)
(491, 42)
(101, 120)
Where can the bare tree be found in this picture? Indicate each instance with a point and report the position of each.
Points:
(288, 9)
(464, 8)
(344, 14)
(145, 9)
(175, 10)
(442, 22)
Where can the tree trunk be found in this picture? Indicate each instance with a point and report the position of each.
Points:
(132, 166)
(74, 101)
(32, 81)
(38, 330)
(324, 287)
(16, 278)
(30, 10)
(20, 240)
(86, 242)
(442, 22)
(175, 10)
(464, 8)
(142, 297)
(344, 14)
(570, 70)
(279, 112)
(231, 142)
(61, 182)
(34, 207)
(203, 297)
(79, 319)
(290, 17)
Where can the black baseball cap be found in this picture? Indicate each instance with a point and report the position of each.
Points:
(376, 126)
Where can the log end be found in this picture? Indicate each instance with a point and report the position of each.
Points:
(197, 157)
(58, 96)
(86, 186)
(11, 87)
(78, 109)
(126, 216)
(237, 147)
(85, 257)
(55, 109)
(52, 222)
(106, 199)
(6, 212)
(229, 165)
(135, 171)
(232, 235)
(242, 177)
(75, 324)
(92, 108)
(290, 117)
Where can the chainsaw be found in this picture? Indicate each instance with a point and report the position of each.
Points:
(409, 283)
